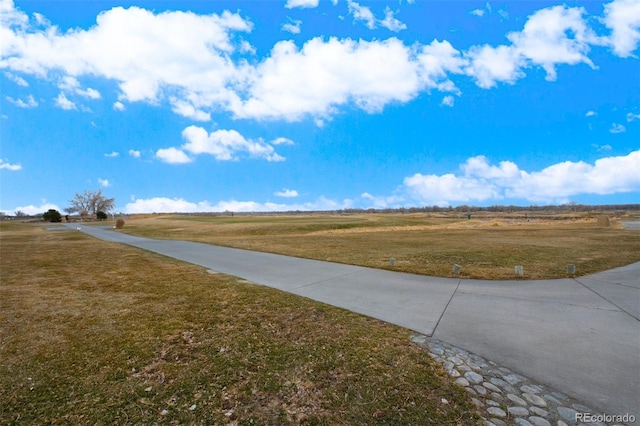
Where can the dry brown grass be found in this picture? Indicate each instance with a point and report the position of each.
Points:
(488, 246)
(100, 333)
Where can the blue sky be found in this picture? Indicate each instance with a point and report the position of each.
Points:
(182, 106)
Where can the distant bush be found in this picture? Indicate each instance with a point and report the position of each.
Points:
(120, 223)
(101, 215)
(52, 215)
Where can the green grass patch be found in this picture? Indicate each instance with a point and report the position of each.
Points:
(99, 333)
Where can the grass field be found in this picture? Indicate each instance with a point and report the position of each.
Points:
(488, 246)
(97, 333)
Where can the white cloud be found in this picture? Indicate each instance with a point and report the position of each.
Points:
(16, 79)
(489, 65)
(482, 182)
(173, 156)
(632, 117)
(362, 13)
(134, 153)
(590, 114)
(186, 109)
(287, 193)
(89, 93)
(391, 23)
(602, 147)
(30, 102)
(32, 210)
(477, 12)
(180, 205)
(555, 35)
(617, 128)
(551, 36)
(282, 141)
(623, 18)
(305, 4)
(447, 101)
(112, 154)
(104, 182)
(196, 63)
(64, 103)
(71, 84)
(293, 26)
(207, 69)
(8, 166)
(292, 83)
(365, 15)
(226, 145)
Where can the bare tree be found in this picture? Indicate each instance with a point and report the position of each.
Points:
(91, 202)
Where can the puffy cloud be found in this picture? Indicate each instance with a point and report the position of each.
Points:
(32, 210)
(223, 145)
(362, 13)
(447, 101)
(477, 12)
(200, 64)
(482, 181)
(293, 26)
(71, 84)
(186, 109)
(134, 153)
(489, 65)
(174, 51)
(305, 4)
(551, 36)
(282, 141)
(104, 182)
(226, 144)
(590, 114)
(623, 18)
(632, 117)
(292, 83)
(16, 79)
(287, 193)
(180, 205)
(112, 154)
(8, 166)
(62, 102)
(617, 128)
(173, 156)
(555, 35)
(391, 23)
(30, 102)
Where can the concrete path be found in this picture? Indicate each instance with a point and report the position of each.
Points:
(580, 336)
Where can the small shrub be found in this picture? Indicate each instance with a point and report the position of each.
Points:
(52, 215)
(101, 215)
(120, 223)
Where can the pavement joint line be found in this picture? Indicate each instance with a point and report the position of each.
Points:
(445, 309)
(544, 301)
(601, 296)
(329, 279)
(609, 282)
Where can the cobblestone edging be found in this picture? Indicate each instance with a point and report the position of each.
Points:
(502, 396)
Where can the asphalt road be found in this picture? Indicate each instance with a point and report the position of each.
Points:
(580, 336)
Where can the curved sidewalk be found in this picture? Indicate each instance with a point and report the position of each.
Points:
(580, 336)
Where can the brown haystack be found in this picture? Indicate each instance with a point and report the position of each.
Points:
(603, 220)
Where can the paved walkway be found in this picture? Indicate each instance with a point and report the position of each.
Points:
(580, 336)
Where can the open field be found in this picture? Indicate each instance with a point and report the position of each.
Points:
(488, 246)
(99, 333)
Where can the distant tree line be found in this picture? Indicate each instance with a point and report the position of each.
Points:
(571, 207)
